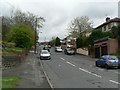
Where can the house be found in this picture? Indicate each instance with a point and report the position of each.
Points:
(108, 24)
(68, 41)
(106, 45)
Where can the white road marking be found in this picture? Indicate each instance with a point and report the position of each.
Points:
(62, 59)
(59, 65)
(114, 82)
(90, 72)
(117, 72)
(70, 63)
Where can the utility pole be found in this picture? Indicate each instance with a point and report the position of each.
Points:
(35, 35)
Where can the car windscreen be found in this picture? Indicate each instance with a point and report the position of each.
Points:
(44, 52)
(58, 47)
(70, 49)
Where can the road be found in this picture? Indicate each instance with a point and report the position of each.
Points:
(78, 71)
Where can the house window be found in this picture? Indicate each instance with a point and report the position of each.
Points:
(104, 28)
(109, 26)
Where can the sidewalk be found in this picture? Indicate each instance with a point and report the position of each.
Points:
(31, 73)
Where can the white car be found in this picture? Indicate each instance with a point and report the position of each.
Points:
(45, 54)
(58, 49)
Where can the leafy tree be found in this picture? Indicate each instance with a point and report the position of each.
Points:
(57, 41)
(79, 25)
(52, 42)
(20, 17)
(98, 34)
(115, 31)
(79, 42)
(22, 35)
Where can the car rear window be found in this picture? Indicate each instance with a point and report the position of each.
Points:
(112, 58)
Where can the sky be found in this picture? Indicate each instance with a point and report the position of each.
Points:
(59, 13)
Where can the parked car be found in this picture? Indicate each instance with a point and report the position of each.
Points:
(69, 51)
(45, 54)
(108, 61)
(58, 49)
(46, 48)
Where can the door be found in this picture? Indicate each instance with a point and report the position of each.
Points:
(97, 52)
(104, 50)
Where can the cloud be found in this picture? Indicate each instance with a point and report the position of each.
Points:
(59, 13)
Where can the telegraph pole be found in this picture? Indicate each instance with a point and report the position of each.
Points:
(35, 35)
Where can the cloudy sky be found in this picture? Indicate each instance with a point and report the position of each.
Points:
(59, 13)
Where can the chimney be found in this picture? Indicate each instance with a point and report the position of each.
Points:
(107, 19)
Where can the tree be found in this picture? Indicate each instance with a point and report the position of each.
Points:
(115, 31)
(79, 25)
(52, 42)
(20, 17)
(57, 41)
(98, 34)
(79, 42)
(22, 35)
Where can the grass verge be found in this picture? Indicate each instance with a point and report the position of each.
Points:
(10, 81)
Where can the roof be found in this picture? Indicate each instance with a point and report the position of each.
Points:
(111, 20)
(101, 40)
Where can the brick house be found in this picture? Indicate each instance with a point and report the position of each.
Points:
(106, 45)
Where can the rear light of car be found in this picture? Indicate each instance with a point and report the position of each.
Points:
(109, 62)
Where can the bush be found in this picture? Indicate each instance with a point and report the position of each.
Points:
(22, 35)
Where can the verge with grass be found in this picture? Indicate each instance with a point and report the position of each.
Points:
(10, 81)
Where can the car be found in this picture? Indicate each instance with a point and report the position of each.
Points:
(46, 48)
(69, 51)
(45, 54)
(108, 61)
(58, 49)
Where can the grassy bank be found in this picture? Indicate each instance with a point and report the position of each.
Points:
(10, 81)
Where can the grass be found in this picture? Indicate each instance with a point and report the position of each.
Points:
(13, 50)
(10, 81)
(117, 54)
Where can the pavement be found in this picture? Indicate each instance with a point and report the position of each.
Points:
(31, 72)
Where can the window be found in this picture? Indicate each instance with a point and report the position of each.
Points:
(109, 26)
(104, 28)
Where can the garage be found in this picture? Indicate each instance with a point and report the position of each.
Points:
(105, 46)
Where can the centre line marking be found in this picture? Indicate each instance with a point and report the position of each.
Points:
(114, 82)
(70, 63)
(90, 72)
(62, 59)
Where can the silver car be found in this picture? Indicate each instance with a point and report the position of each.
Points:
(45, 54)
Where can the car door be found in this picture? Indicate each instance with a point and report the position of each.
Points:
(102, 61)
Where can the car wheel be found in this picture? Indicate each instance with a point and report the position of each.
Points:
(106, 66)
(96, 64)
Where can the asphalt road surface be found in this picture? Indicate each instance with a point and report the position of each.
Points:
(78, 71)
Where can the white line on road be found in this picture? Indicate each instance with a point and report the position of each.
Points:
(70, 63)
(62, 59)
(90, 72)
(114, 82)
(117, 72)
